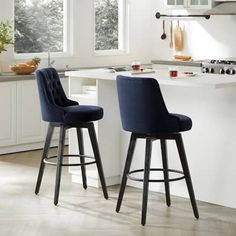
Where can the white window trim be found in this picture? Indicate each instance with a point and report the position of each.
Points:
(67, 37)
(123, 31)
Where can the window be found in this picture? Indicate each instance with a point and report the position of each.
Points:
(40, 26)
(109, 25)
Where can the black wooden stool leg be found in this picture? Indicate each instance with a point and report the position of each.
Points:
(96, 152)
(60, 153)
(165, 170)
(45, 154)
(146, 179)
(129, 158)
(81, 152)
(183, 159)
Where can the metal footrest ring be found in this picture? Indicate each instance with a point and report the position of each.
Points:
(129, 175)
(46, 160)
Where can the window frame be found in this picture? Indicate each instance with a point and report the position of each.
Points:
(67, 37)
(123, 29)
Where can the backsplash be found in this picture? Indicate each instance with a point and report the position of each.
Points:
(213, 38)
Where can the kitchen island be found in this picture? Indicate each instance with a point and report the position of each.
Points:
(210, 101)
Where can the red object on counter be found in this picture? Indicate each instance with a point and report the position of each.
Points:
(173, 73)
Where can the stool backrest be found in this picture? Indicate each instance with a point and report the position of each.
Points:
(142, 107)
(51, 94)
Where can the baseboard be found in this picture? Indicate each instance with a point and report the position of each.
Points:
(94, 182)
(27, 147)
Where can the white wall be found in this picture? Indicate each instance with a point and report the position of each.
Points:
(139, 34)
(213, 38)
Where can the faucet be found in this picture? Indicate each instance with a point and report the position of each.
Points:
(50, 63)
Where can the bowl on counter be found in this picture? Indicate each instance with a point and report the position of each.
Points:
(23, 70)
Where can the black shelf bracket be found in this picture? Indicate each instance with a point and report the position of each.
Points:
(159, 15)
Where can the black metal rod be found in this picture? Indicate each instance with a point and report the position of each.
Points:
(159, 15)
(129, 175)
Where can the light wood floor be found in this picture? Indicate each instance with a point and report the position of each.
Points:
(85, 212)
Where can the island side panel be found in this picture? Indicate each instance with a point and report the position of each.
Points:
(109, 131)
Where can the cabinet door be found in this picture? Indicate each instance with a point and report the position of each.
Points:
(176, 4)
(200, 4)
(30, 127)
(8, 113)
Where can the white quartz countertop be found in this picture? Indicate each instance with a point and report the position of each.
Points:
(162, 76)
(9, 77)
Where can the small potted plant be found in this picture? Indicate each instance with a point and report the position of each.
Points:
(6, 37)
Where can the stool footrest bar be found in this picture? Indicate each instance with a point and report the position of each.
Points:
(46, 161)
(129, 175)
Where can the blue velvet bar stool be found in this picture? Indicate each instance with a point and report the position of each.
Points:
(61, 112)
(144, 114)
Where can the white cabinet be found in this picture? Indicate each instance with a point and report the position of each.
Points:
(190, 4)
(8, 113)
(30, 127)
(21, 124)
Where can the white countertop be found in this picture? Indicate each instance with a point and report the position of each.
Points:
(9, 77)
(200, 80)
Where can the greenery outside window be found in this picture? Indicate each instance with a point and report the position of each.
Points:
(110, 30)
(41, 26)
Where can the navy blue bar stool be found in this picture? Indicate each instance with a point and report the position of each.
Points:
(61, 112)
(144, 114)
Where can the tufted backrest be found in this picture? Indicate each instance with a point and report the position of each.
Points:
(142, 107)
(51, 94)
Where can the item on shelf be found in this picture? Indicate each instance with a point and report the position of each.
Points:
(26, 68)
(178, 38)
(163, 36)
(143, 71)
(173, 72)
(171, 34)
(182, 57)
(190, 73)
(117, 69)
(136, 66)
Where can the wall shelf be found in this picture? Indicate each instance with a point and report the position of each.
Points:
(159, 15)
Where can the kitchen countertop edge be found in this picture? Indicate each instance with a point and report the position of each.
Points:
(177, 63)
(9, 77)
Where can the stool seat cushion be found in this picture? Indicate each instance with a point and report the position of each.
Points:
(185, 123)
(56, 107)
(82, 113)
(143, 110)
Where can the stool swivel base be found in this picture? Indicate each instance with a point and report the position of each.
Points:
(60, 154)
(185, 174)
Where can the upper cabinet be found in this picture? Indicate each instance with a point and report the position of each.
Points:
(200, 4)
(190, 4)
(176, 4)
